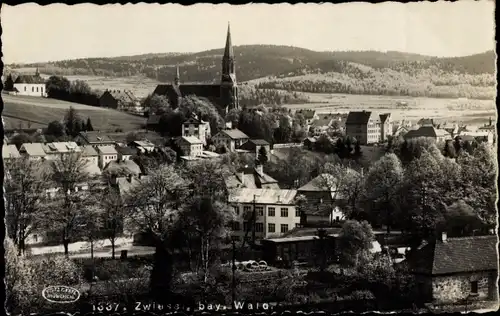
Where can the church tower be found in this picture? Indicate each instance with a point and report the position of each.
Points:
(229, 86)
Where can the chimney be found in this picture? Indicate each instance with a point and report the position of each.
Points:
(259, 168)
(444, 236)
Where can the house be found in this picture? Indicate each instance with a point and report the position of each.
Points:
(126, 166)
(34, 151)
(190, 146)
(326, 122)
(106, 154)
(385, 127)
(10, 152)
(253, 178)
(319, 202)
(275, 211)
(456, 270)
(231, 138)
(428, 131)
(452, 129)
(364, 126)
(224, 94)
(55, 149)
(90, 154)
(490, 127)
(125, 152)
(94, 138)
(426, 122)
(254, 145)
(197, 128)
(479, 136)
(143, 145)
(118, 99)
(310, 143)
(32, 85)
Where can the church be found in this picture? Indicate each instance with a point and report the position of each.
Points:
(224, 95)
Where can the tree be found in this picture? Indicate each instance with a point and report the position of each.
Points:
(382, 187)
(204, 109)
(357, 151)
(156, 104)
(25, 196)
(355, 241)
(20, 139)
(9, 83)
(152, 207)
(80, 87)
(71, 207)
(73, 122)
(56, 129)
(262, 157)
(283, 133)
(113, 215)
(461, 220)
(89, 126)
(132, 137)
(58, 87)
(449, 150)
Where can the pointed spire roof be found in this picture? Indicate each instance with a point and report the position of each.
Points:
(177, 72)
(228, 51)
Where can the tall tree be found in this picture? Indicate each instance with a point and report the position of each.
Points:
(382, 187)
(56, 129)
(355, 241)
(89, 126)
(73, 122)
(113, 214)
(9, 83)
(58, 87)
(25, 198)
(71, 206)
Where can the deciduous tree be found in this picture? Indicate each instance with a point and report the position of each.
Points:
(355, 241)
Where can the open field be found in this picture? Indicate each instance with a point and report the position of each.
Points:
(468, 111)
(36, 112)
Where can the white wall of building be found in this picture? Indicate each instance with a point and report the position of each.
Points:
(31, 89)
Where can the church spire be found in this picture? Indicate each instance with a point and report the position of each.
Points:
(228, 51)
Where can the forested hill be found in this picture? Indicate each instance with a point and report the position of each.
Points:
(347, 71)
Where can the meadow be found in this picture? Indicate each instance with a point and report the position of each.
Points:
(36, 112)
(468, 111)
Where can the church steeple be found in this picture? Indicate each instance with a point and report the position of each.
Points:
(228, 51)
(37, 73)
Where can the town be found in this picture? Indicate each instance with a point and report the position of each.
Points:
(220, 204)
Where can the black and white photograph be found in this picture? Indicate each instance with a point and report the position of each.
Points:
(258, 158)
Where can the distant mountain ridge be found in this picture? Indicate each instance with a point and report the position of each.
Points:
(365, 72)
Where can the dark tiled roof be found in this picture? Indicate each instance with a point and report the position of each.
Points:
(384, 117)
(125, 150)
(29, 79)
(259, 142)
(426, 131)
(234, 133)
(124, 96)
(357, 118)
(456, 255)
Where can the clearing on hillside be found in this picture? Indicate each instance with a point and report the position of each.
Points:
(36, 112)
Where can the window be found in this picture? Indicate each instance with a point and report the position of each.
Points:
(284, 228)
(245, 226)
(259, 210)
(25, 88)
(473, 287)
(236, 226)
(237, 210)
(297, 213)
(284, 212)
(36, 89)
(259, 227)
(246, 209)
(35, 237)
(32, 89)
(270, 212)
(41, 89)
(271, 228)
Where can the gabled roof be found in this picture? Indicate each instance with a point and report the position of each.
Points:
(125, 150)
(61, 147)
(427, 131)
(257, 142)
(107, 150)
(317, 184)
(358, 118)
(384, 117)
(33, 149)
(250, 178)
(10, 151)
(88, 151)
(234, 133)
(143, 143)
(96, 137)
(190, 139)
(34, 79)
(263, 196)
(124, 96)
(194, 120)
(456, 255)
(125, 184)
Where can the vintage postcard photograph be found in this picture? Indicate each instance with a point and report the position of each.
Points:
(250, 158)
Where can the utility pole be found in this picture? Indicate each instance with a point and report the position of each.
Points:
(254, 218)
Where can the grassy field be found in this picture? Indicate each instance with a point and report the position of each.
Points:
(471, 112)
(36, 112)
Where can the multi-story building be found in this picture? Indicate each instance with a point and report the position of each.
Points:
(231, 138)
(196, 128)
(54, 150)
(364, 126)
(190, 146)
(90, 155)
(275, 212)
(255, 145)
(252, 178)
(34, 151)
(429, 131)
(106, 154)
(385, 127)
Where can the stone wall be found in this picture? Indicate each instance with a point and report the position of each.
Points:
(456, 288)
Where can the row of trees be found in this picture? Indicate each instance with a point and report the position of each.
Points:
(78, 91)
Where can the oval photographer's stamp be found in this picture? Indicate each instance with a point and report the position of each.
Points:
(61, 294)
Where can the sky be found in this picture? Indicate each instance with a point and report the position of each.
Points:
(33, 33)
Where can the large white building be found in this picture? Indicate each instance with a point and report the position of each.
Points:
(32, 85)
(275, 210)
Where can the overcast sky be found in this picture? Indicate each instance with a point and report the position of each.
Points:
(33, 33)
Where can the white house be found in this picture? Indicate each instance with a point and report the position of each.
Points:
(54, 150)
(34, 151)
(190, 146)
(275, 210)
(10, 152)
(106, 154)
(231, 138)
(196, 128)
(32, 85)
(90, 154)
